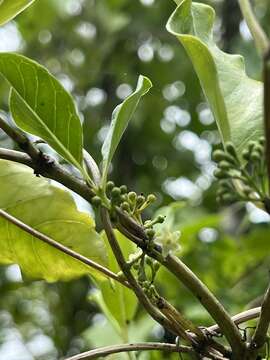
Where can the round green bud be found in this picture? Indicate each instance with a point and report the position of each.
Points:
(116, 192)
(228, 198)
(125, 206)
(262, 140)
(109, 186)
(256, 156)
(123, 189)
(136, 266)
(150, 233)
(160, 219)
(218, 155)
(151, 198)
(251, 144)
(220, 174)
(140, 200)
(247, 190)
(96, 201)
(132, 196)
(229, 146)
(221, 191)
(148, 260)
(156, 266)
(224, 165)
(246, 154)
(258, 148)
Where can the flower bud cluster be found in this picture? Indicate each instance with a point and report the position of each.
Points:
(241, 178)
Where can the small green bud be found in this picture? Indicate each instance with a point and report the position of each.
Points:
(123, 189)
(150, 233)
(218, 155)
(136, 266)
(125, 206)
(256, 156)
(156, 266)
(220, 174)
(224, 165)
(132, 196)
(140, 200)
(148, 260)
(221, 191)
(229, 146)
(246, 154)
(109, 186)
(262, 140)
(160, 219)
(116, 192)
(258, 148)
(251, 145)
(96, 201)
(151, 198)
(228, 198)
(247, 190)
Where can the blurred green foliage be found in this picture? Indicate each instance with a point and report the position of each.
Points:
(97, 49)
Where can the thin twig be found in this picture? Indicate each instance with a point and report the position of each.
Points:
(61, 247)
(259, 36)
(116, 349)
(150, 308)
(260, 335)
(267, 112)
(239, 318)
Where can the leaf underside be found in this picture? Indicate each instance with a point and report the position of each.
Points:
(120, 119)
(51, 211)
(10, 8)
(235, 99)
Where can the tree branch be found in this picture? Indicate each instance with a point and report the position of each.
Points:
(116, 349)
(260, 335)
(194, 284)
(61, 247)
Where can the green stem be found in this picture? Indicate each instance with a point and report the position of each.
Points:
(259, 36)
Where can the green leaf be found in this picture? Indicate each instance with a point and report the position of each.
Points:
(117, 302)
(10, 8)
(235, 99)
(41, 106)
(120, 119)
(51, 211)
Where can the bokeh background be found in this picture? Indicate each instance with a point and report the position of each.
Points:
(97, 49)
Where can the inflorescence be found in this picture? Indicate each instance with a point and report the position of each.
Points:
(244, 177)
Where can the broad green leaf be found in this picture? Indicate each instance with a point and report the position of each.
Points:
(120, 119)
(235, 99)
(41, 106)
(10, 8)
(118, 303)
(52, 211)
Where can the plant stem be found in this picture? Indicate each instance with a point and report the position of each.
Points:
(198, 289)
(260, 335)
(143, 299)
(61, 247)
(239, 318)
(116, 349)
(259, 36)
(267, 111)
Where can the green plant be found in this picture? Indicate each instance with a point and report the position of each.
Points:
(59, 243)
